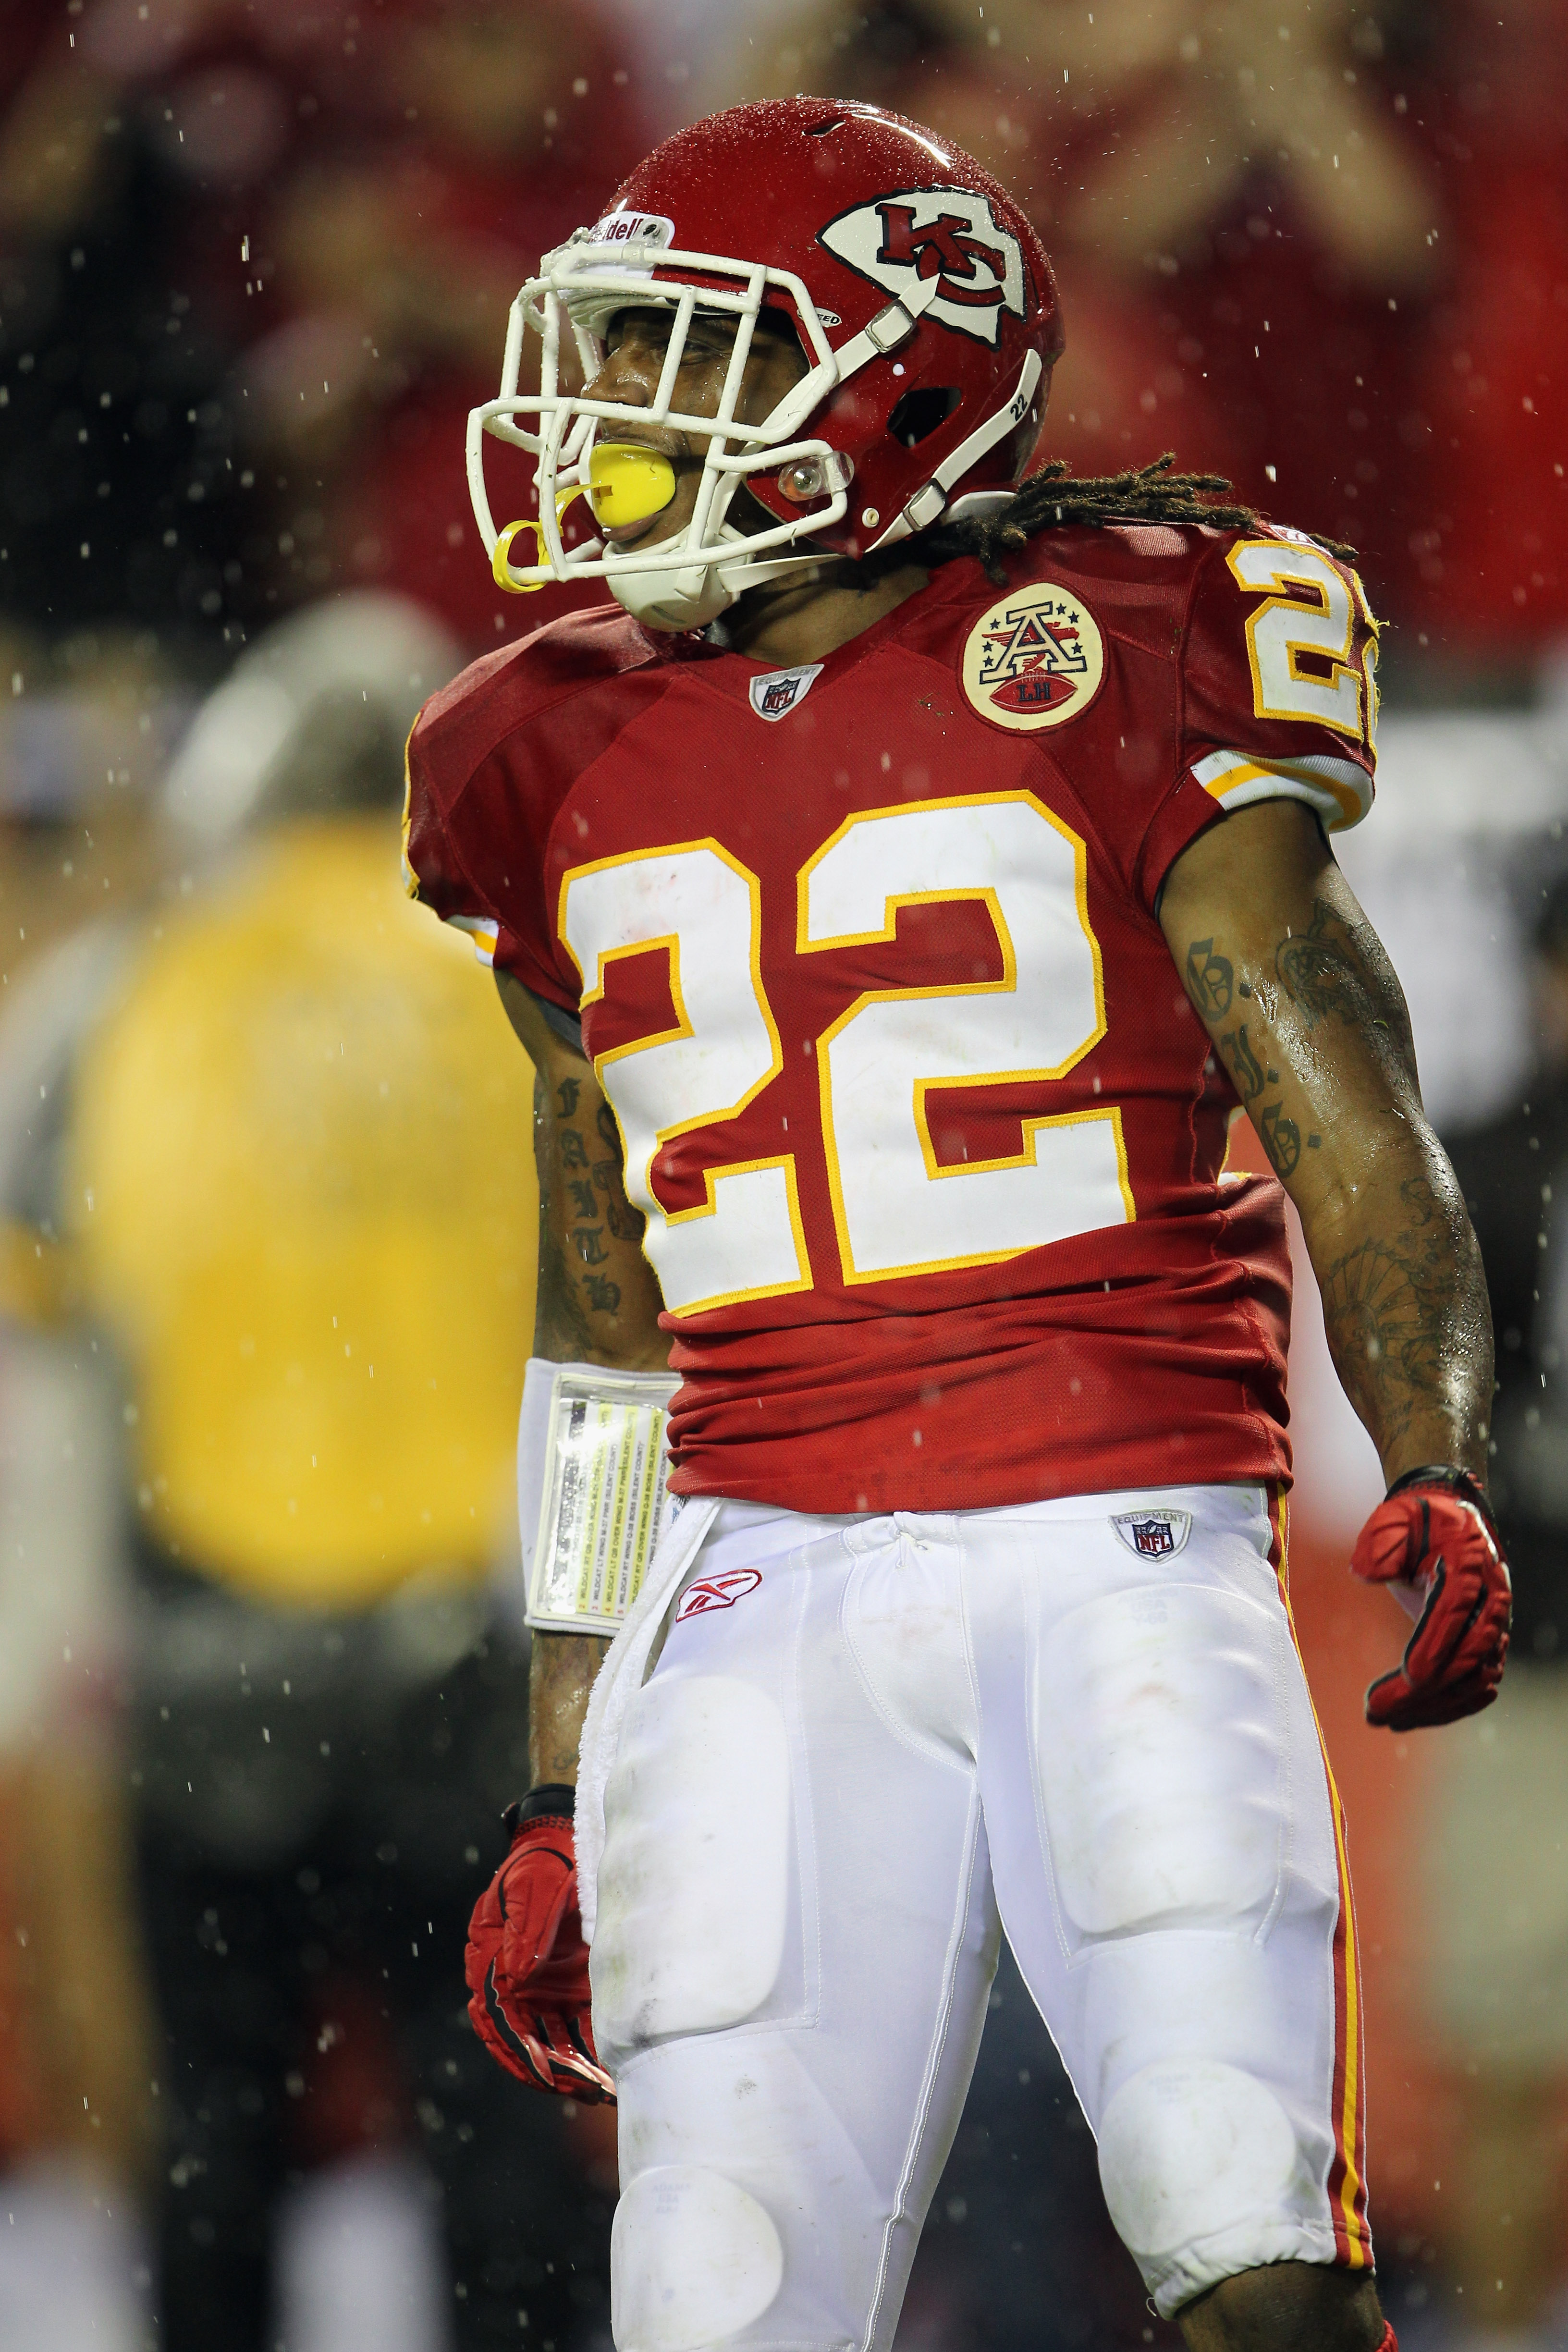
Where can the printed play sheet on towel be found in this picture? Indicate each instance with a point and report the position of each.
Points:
(607, 1501)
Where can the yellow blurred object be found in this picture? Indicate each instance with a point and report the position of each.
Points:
(37, 1284)
(627, 483)
(301, 1186)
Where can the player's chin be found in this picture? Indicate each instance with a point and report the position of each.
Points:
(640, 534)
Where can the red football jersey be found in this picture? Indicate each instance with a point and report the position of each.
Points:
(928, 1135)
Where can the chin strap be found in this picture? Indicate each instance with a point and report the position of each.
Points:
(888, 329)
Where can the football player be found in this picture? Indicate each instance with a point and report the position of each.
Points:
(897, 895)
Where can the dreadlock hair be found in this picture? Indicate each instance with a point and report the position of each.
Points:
(1053, 499)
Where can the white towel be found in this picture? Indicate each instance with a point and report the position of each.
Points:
(618, 1681)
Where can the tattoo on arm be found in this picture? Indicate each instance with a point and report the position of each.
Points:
(1335, 968)
(1388, 1310)
(1246, 1067)
(1210, 979)
(572, 1296)
(590, 1216)
(563, 1328)
(1281, 1139)
(627, 1224)
(1319, 1030)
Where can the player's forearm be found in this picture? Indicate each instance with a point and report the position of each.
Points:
(1305, 1011)
(598, 1302)
(1329, 1084)
(561, 1667)
(1404, 1308)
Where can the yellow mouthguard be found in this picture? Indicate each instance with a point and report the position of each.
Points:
(627, 483)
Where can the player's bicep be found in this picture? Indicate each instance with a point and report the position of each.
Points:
(598, 1300)
(1297, 994)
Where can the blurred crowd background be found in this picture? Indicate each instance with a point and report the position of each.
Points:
(266, 1190)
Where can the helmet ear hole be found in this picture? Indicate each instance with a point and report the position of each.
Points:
(917, 414)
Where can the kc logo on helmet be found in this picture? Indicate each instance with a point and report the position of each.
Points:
(947, 234)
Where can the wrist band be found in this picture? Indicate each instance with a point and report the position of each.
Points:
(1463, 1482)
(551, 1797)
(1441, 1473)
(593, 1492)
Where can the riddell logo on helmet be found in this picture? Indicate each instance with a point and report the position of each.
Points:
(948, 234)
(624, 228)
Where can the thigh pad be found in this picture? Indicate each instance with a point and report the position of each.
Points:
(1159, 1743)
(695, 1878)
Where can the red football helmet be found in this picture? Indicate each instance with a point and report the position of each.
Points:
(924, 304)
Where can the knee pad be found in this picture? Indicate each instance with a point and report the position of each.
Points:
(1160, 1745)
(695, 1878)
(694, 2259)
(1192, 2149)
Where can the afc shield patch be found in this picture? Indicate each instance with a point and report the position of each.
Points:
(1036, 659)
(913, 235)
(1153, 1535)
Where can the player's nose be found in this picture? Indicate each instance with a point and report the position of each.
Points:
(629, 374)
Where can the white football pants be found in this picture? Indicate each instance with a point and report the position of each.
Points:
(866, 1744)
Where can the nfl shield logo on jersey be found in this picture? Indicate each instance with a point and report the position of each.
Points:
(1153, 1535)
(1035, 659)
(777, 695)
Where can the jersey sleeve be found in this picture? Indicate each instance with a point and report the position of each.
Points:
(474, 844)
(1278, 691)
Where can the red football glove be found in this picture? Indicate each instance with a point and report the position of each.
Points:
(527, 1964)
(1434, 1542)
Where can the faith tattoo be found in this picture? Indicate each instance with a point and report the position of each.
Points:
(1246, 1068)
(1281, 1138)
(1211, 979)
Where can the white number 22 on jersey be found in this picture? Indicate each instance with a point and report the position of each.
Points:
(898, 1209)
(1309, 612)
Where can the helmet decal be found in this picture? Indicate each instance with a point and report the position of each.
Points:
(623, 227)
(949, 234)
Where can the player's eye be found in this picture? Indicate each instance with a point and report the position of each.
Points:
(636, 326)
(707, 338)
